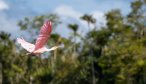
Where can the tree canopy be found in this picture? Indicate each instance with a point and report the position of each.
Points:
(113, 54)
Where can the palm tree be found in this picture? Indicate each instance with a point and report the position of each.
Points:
(74, 28)
(89, 19)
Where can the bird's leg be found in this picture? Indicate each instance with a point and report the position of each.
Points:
(30, 54)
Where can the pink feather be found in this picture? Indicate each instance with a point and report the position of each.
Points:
(41, 41)
(44, 35)
(26, 45)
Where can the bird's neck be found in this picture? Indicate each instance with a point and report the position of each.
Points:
(48, 49)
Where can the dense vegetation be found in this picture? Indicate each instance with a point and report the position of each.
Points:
(115, 54)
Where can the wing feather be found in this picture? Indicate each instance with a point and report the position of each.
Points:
(26, 45)
(44, 35)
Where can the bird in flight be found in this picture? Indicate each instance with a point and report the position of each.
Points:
(41, 41)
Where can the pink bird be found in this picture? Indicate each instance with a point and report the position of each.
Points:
(41, 41)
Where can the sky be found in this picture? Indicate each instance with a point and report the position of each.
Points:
(12, 11)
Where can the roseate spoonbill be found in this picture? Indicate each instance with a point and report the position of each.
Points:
(42, 39)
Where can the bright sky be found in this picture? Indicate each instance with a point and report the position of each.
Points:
(11, 11)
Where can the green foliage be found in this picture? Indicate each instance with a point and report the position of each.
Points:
(74, 27)
(115, 54)
(88, 18)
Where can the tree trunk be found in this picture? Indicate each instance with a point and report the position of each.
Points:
(1, 76)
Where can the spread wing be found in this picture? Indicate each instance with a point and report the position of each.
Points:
(26, 45)
(44, 35)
